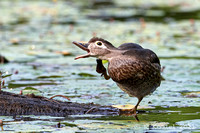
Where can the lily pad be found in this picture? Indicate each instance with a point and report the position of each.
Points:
(23, 84)
(64, 53)
(7, 75)
(51, 76)
(31, 90)
(129, 106)
(193, 94)
(86, 75)
(69, 124)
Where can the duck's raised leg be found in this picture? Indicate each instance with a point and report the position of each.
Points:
(101, 69)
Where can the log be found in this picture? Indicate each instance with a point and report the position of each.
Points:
(3, 60)
(15, 104)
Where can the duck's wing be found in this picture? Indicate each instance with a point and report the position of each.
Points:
(143, 54)
(153, 57)
(126, 46)
(133, 49)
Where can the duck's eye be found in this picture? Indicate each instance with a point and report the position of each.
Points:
(99, 43)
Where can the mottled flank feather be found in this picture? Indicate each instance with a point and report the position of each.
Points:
(137, 78)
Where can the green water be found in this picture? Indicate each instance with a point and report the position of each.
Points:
(33, 32)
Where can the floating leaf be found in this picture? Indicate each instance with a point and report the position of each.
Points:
(86, 75)
(51, 76)
(8, 75)
(15, 41)
(129, 106)
(64, 53)
(17, 85)
(192, 94)
(31, 90)
(69, 124)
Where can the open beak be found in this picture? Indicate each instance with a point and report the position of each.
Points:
(83, 46)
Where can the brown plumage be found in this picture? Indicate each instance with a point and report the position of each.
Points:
(135, 70)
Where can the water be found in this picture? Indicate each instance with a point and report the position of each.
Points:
(35, 34)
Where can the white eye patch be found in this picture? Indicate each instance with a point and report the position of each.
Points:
(100, 44)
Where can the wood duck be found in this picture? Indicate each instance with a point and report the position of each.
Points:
(134, 69)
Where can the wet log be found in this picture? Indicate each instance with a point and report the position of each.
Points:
(14, 104)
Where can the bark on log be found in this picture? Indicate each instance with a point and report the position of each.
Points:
(13, 104)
